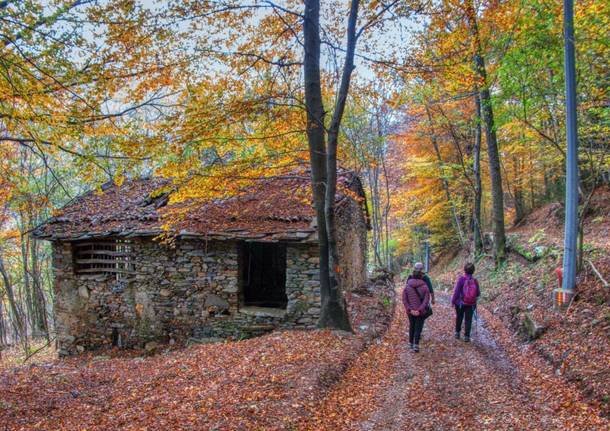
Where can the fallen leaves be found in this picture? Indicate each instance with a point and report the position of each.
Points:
(315, 380)
(262, 383)
(268, 383)
(450, 385)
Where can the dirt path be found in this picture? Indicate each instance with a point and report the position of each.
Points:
(449, 385)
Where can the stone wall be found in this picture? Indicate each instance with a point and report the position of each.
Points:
(189, 290)
(352, 245)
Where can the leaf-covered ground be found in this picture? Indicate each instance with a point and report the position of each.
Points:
(281, 381)
(263, 383)
(450, 385)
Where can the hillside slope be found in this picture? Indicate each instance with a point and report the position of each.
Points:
(574, 344)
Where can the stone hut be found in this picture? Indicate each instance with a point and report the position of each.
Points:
(237, 266)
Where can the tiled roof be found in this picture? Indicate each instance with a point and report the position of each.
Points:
(270, 209)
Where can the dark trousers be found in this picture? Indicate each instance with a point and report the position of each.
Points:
(461, 312)
(416, 324)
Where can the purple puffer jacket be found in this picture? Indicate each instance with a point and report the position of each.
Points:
(414, 290)
(458, 292)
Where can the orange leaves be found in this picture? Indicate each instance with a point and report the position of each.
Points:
(261, 383)
(269, 383)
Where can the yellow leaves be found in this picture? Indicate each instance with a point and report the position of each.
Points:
(119, 178)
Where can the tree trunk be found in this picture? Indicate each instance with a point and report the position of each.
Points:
(386, 215)
(373, 179)
(40, 326)
(456, 220)
(337, 305)
(2, 326)
(333, 312)
(27, 285)
(18, 318)
(497, 193)
(478, 187)
(518, 191)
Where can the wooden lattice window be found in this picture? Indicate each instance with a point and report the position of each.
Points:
(111, 256)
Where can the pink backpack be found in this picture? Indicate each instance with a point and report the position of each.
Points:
(470, 291)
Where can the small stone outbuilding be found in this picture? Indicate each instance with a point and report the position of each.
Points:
(240, 266)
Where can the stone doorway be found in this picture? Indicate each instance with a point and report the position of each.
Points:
(263, 275)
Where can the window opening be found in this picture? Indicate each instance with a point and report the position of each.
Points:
(113, 256)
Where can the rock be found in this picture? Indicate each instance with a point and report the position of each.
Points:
(83, 292)
(80, 349)
(530, 328)
(151, 346)
(231, 288)
(314, 310)
(100, 358)
(165, 292)
(212, 300)
(118, 287)
(67, 339)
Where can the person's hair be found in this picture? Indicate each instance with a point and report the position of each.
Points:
(417, 274)
(469, 268)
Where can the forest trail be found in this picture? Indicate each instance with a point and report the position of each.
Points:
(449, 385)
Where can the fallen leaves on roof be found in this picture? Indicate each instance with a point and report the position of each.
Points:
(276, 208)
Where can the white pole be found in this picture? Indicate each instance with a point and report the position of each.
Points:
(571, 202)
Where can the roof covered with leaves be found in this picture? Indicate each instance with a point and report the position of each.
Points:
(266, 209)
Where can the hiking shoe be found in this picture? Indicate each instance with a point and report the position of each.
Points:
(457, 335)
(411, 346)
(416, 348)
(466, 339)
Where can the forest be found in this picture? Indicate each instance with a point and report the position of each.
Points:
(451, 114)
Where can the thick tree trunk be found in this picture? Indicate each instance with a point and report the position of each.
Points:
(315, 133)
(497, 193)
(478, 187)
(333, 312)
(337, 315)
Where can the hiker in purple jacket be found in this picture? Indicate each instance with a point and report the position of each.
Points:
(464, 300)
(416, 299)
